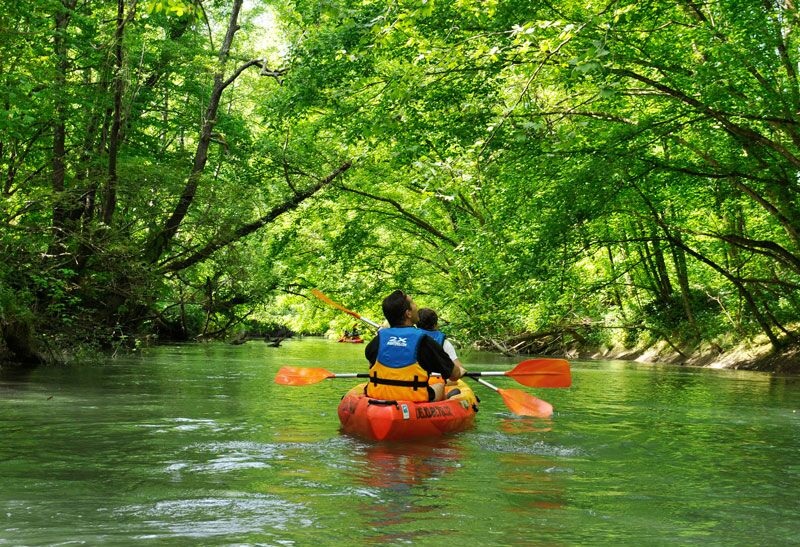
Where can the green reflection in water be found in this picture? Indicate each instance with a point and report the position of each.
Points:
(196, 445)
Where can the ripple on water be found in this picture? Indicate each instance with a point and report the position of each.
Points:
(184, 425)
(233, 456)
(236, 513)
(229, 456)
(502, 443)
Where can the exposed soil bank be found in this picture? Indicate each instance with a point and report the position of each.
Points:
(747, 356)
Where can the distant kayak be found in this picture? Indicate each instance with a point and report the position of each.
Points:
(351, 340)
(380, 420)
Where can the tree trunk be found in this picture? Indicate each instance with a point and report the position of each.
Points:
(162, 239)
(679, 258)
(18, 337)
(57, 175)
(287, 205)
(664, 284)
(110, 194)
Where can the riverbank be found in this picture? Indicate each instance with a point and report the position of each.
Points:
(752, 355)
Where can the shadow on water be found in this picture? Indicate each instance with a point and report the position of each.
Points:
(15, 373)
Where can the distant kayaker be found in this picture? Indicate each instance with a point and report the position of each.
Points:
(429, 321)
(351, 334)
(403, 357)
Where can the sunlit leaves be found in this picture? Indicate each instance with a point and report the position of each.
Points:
(170, 7)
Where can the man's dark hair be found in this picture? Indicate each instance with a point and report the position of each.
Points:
(427, 319)
(394, 307)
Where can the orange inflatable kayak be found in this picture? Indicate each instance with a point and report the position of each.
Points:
(381, 420)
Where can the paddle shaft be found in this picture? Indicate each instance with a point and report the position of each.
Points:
(511, 373)
(361, 375)
(321, 296)
(531, 372)
(305, 376)
(475, 376)
(369, 322)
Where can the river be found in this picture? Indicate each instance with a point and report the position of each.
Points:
(195, 444)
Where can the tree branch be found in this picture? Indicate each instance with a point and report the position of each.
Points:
(407, 215)
(292, 203)
(745, 135)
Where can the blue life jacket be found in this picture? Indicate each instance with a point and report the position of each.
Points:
(437, 335)
(398, 346)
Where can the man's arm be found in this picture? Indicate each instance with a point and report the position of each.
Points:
(371, 351)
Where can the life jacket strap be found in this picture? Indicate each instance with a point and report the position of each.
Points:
(415, 384)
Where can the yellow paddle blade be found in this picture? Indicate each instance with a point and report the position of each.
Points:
(542, 373)
(301, 376)
(523, 404)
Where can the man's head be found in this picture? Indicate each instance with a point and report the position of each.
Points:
(399, 310)
(427, 319)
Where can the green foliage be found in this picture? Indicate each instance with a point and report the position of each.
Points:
(176, 7)
(521, 167)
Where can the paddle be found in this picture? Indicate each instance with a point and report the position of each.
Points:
(302, 376)
(319, 294)
(535, 373)
(521, 403)
(531, 373)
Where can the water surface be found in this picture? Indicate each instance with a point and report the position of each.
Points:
(195, 444)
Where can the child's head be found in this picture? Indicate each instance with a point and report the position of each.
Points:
(427, 319)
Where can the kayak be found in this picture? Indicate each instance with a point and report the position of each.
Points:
(351, 339)
(380, 420)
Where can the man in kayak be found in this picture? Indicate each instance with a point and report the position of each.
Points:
(403, 357)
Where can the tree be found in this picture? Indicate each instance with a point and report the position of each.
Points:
(544, 174)
(104, 218)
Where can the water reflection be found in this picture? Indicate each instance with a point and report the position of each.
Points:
(400, 466)
(516, 426)
(402, 477)
(16, 374)
(533, 481)
(197, 445)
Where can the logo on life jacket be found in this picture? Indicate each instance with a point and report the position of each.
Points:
(397, 341)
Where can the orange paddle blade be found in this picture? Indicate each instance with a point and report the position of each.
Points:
(520, 402)
(542, 373)
(524, 404)
(301, 376)
(319, 294)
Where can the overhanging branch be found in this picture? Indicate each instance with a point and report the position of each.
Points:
(289, 204)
